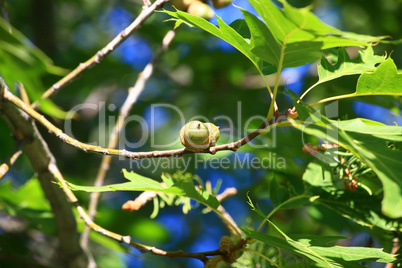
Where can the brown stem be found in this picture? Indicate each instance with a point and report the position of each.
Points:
(228, 192)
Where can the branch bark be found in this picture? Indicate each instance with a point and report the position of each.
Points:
(71, 254)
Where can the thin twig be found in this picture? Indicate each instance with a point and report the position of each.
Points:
(139, 201)
(133, 93)
(5, 167)
(127, 239)
(128, 154)
(144, 197)
(396, 247)
(228, 192)
(96, 59)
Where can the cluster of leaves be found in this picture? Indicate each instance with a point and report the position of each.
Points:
(278, 42)
(176, 189)
(17, 56)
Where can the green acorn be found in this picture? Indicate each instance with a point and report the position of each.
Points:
(225, 245)
(197, 136)
(213, 262)
(182, 4)
(200, 9)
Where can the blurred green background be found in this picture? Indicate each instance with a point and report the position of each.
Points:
(201, 76)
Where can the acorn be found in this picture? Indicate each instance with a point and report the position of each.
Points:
(213, 262)
(200, 9)
(225, 245)
(182, 4)
(221, 3)
(197, 136)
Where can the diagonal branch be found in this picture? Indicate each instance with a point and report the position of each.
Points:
(131, 99)
(127, 239)
(96, 59)
(228, 192)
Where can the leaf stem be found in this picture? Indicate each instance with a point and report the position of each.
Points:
(273, 107)
(277, 208)
(345, 96)
(269, 89)
(309, 89)
(261, 255)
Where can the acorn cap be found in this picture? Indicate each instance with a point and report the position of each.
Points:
(200, 9)
(182, 4)
(221, 3)
(215, 130)
(213, 262)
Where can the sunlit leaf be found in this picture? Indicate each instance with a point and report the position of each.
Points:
(141, 183)
(368, 140)
(385, 80)
(21, 61)
(316, 250)
(224, 32)
(359, 205)
(300, 24)
(365, 61)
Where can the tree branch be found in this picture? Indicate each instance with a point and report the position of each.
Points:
(228, 192)
(128, 154)
(71, 254)
(133, 93)
(127, 239)
(96, 59)
(44, 164)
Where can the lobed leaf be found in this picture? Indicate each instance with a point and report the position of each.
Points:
(21, 61)
(300, 24)
(140, 183)
(291, 31)
(364, 62)
(385, 80)
(316, 251)
(359, 206)
(369, 141)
